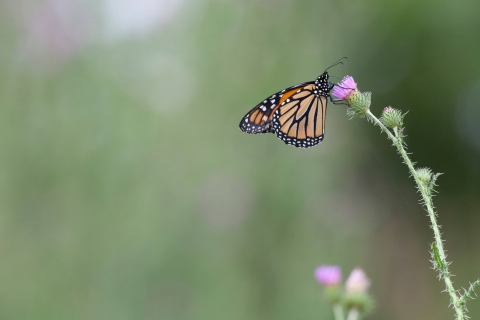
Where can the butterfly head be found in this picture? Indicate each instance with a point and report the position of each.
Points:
(322, 85)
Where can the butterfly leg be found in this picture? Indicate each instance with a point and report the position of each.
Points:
(337, 101)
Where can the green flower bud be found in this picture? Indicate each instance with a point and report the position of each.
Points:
(358, 300)
(425, 175)
(359, 103)
(333, 294)
(391, 117)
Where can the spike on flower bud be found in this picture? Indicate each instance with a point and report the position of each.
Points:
(425, 175)
(391, 117)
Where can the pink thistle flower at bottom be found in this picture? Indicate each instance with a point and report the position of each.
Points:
(328, 275)
(344, 89)
(357, 282)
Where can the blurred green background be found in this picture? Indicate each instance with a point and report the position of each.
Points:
(128, 191)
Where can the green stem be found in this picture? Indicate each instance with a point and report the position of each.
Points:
(353, 314)
(427, 199)
(338, 311)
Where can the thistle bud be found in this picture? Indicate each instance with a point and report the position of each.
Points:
(359, 103)
(357, 281)
(356, 287)
(425, 175)
(391, 117)
(330, 277)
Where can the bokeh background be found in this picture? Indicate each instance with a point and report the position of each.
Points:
(128, 191)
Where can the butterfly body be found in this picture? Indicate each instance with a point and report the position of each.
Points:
(296, 115)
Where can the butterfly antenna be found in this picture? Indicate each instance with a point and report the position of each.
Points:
(339, 61)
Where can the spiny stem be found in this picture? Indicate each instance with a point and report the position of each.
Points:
(469, 293)
(427, 200)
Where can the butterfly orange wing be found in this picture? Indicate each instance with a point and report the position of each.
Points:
(259, 119)
(300, 119)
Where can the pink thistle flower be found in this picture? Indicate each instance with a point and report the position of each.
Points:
(357, 282)
(344, 89)
(328, 275)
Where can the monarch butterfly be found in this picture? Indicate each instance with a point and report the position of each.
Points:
(296, 115)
